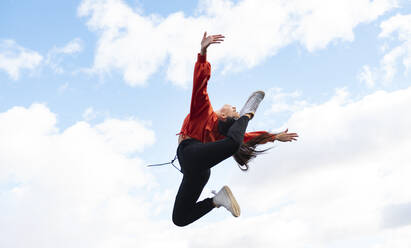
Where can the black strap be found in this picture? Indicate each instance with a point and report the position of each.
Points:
(171, 162)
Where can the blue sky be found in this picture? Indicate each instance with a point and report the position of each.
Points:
(99, 88)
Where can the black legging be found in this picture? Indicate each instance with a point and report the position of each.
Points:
(196, 159)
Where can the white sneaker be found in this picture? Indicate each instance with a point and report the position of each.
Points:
(226, 199)
(252, 103)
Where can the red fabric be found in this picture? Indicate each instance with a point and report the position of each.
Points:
(202, 122)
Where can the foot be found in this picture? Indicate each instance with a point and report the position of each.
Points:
(226, 199)
(250, 107)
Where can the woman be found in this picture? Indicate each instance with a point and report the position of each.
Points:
(208, 137)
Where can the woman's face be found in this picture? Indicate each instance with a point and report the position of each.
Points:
(229, 111)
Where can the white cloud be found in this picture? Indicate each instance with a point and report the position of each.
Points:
(397, 215)
(396, 58)
(137, 45)
(71, 188)
(282, 101)
(14, 58)
(367, 76)
(55, 55)
(396, 238)
(324, 21)
(89, 114)
(396, 28)
(126, 136)
(74, 46)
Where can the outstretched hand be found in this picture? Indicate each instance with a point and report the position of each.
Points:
(285, 136)
(208, 40)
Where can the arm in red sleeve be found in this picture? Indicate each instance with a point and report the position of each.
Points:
(200, 102)
(250, 135)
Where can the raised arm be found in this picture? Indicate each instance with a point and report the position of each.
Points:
(200, 103)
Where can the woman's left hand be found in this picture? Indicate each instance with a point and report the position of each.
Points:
(285, 136)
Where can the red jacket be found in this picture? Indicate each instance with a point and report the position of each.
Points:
(202, 122)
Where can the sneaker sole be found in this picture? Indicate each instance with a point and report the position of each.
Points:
(234, 204)
(253, 95)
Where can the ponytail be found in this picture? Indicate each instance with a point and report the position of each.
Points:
(248, 150)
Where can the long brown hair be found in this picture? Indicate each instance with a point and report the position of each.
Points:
(248, 150)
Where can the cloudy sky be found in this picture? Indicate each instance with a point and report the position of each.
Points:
(91, 91)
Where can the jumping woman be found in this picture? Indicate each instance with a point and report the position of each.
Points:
(208, 137)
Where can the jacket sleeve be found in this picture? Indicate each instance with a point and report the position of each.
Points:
(250, 135)
(200, 102)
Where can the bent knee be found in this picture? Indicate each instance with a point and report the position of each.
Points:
(179, 217)
(179, 221)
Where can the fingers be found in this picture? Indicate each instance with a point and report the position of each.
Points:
(217, 40)
(292, 137)
(287, 137)
(218, 36)
(212, 39)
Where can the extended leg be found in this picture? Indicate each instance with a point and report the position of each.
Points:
(186, 208)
